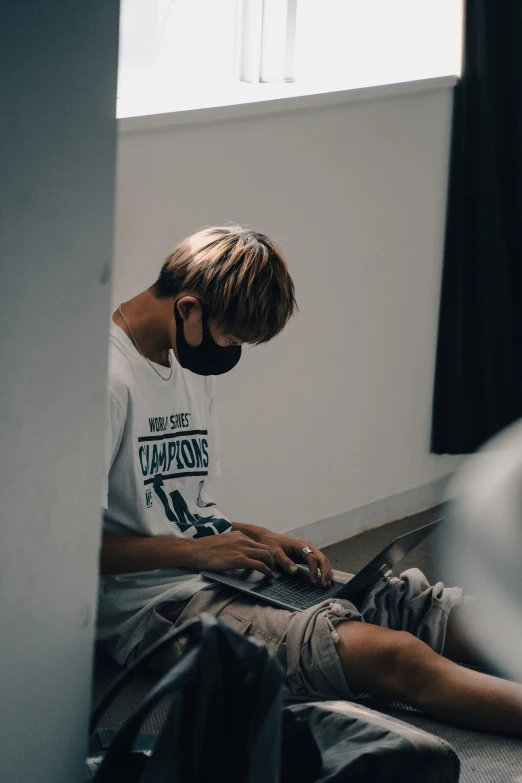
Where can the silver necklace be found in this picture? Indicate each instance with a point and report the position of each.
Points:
(140, 351)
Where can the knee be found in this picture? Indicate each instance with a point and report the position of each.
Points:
(390, 663)
(413, 665)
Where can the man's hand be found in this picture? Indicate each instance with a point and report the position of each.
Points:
(232, 550)
(286, 551)
(246, 546)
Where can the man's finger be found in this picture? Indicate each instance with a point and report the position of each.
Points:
(261, 552)
(311, 561)
(256, 544)
(285, 562)
(327, 576)
(260, 566)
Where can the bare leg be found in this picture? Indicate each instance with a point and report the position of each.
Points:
(397, 665)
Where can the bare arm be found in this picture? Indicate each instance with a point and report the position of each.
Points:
(127, 554)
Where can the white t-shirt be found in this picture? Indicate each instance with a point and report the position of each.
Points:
(161, 451)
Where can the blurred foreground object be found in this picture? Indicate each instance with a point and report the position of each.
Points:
(484, 555)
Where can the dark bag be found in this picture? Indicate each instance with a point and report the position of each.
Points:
(360, 745)
(224, 721)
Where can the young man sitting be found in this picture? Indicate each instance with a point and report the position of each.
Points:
(220, 288)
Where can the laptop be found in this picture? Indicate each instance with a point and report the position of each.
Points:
(294, 591)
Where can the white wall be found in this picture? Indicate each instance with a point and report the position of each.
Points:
(335, 413)
(58, 65)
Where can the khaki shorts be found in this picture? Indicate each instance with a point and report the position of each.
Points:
(305, 642)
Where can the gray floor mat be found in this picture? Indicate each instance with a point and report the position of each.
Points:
(128, 700)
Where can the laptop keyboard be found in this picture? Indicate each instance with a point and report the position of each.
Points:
(297, 592)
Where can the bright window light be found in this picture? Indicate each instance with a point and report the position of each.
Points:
(191, 54)
(175, 54)
(359, 42)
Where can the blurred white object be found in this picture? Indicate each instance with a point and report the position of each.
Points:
(485, 551)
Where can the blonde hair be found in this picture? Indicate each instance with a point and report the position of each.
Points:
(240, 276)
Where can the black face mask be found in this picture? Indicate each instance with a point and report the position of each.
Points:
(207, 358)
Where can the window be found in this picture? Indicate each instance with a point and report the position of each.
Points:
(175, 54)
(354, 43)
(190, 54)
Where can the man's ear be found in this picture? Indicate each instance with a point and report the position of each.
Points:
(187, 305)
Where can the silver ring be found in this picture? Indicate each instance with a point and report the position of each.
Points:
(305, 551)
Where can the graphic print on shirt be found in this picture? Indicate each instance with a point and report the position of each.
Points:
(174, 454)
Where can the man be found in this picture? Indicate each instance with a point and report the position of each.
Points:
(220, 288)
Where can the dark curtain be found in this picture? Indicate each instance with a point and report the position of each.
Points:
(478, 382)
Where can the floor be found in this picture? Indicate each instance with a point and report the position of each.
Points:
(485, 758)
